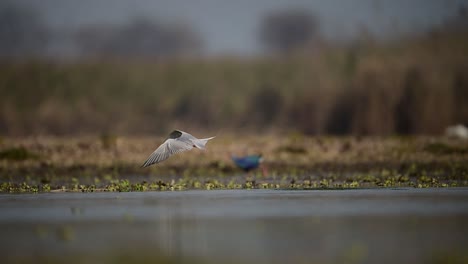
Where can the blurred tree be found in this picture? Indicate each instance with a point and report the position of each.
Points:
(194, 107)
(406, 110)
(265, 105)
(22, 32)
(372, 104)
(460, 92)
(303, 114)
(139, 39)
(341, 115)
(287, 30)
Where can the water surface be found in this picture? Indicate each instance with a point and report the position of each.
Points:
(250, 226)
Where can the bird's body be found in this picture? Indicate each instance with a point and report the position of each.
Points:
(177, 142)
(248, 163)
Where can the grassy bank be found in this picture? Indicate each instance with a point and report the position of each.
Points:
(296, 162)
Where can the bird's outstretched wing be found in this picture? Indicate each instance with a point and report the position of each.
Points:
(168, 148)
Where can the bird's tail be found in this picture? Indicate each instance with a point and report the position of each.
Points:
(202, 142)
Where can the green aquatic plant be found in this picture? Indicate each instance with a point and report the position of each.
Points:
(7, 187)
(209, 186)
(25, 187)
(365, 178)
(324, 183)
(290, 182)
(249, 184)
(119, 186)
(87, 188)
(140, 187)
(45, 187)
(354, 184)
(307, 184)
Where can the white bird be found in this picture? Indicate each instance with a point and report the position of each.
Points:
(459, 131)
(178, 141)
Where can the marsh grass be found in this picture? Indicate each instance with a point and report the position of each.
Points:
(17, 154)
(417, 85)
(445, 149)
(84, 164)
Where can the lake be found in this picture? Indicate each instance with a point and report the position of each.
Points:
(405, 225)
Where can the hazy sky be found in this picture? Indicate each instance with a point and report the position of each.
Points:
(231, 26)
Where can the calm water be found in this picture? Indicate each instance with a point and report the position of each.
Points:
(250, 226)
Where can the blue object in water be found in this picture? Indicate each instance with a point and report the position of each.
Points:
(248, 163)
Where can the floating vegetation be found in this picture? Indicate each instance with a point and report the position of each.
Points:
(289, 182)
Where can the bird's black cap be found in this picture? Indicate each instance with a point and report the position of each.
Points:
(175, 134)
